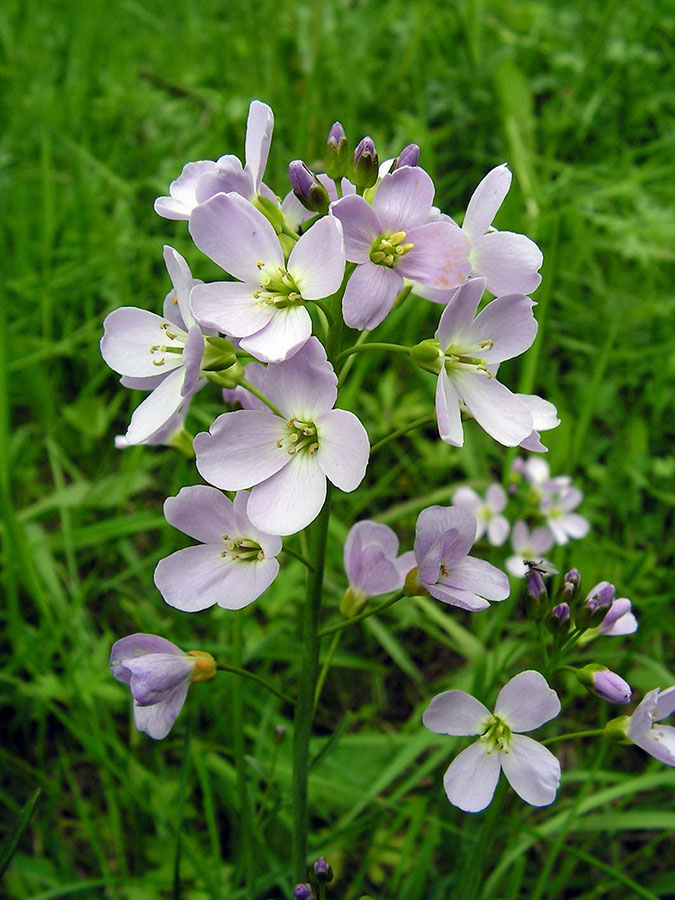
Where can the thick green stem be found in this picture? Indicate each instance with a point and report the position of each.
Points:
(245, 819)
(304, 709)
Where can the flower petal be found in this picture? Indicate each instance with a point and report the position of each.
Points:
(303, 386)
(468, 498)
(229, 178)
(478, 576)
(156, 721)
(659, 742)
(153, 675)
(458, 315)
(403, 199)
(472, 777)
(486, 200)
(182, 280)
(456, 712)
(235, 235)
(439, 257)
(317, 261)
(291, 499)
(240, 449)
(448, 413)
(360, 226)
(498, 530)
(665, 704)
(193, 353)
(493, 406)
(259, 128)
(510, 262)
(532, 771)
(436, 523)
(269, 543)
(128, 340)
(182, 199)
(157, 408)
(135, 645)
(456, 597)
(286, 332)
(344, 448)
(509, 322)
(526, 701)
(202, 512)
(194, 578)
(377, 572)
(369, 295)
(230, 307)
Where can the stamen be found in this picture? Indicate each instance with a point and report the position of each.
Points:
(159, 362)
(488, 343)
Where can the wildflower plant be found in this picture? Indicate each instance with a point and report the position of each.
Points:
(342, 250)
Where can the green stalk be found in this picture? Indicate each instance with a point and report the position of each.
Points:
(245, 831)
(304, 709)
(385, 604)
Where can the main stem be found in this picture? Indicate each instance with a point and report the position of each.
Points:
(245, 829)
(304, 709)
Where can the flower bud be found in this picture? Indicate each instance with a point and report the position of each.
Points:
(307, 187)
(322, 870)
(303, 892)
(279, 733)
(427, 355)
(336, 154)
(352, 603)
(536, 595)
(412, 586)
(365, 164)
(559, 619)
(204, 667)
(409, 156)
(218, 354)
(617, 729)
(596, 606)
(604, 683)
(271, 211)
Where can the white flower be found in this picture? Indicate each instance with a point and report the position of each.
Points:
(528, 545)
(487, 513)
(524, 703)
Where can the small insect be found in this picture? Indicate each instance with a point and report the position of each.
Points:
(541, 566)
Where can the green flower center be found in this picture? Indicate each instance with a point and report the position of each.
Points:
(497, 736)
(301, 436)
(278, 289)
(388, 249)
(241, 549)
(158, 350)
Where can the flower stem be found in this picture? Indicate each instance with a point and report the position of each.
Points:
(298, 556)
(332, 629)
(573, 734)
(252, 389)
(235, 670)
(374, 345)
(424, 420)
(245, 819)
(304, 708)
(325, 667)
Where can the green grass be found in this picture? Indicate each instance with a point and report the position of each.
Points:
(101, 105)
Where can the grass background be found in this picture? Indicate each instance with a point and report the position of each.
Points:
(101, 105)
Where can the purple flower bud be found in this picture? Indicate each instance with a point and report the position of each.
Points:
(279, 733)
(303, 892)
(365, 164)
(597, 604)
(604, 683)
(536, 595)
(307, 187)
(336, 155)
(409, 156)
(571, 585)
(322, 870)
(559, 620)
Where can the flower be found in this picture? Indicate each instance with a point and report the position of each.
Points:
(162, 354)
(537, 473)
(486, 512)
(370, 560)
(286, 458)
(392, 240)
(619, 619)
(510, 262)
(266, 306)
(562, 522)
(234, 563)
(468, 345)
(203, 179)
(527, 545)
(641, 728)
(524, 703)
(443, 537)
(158, 674)
(170, 434)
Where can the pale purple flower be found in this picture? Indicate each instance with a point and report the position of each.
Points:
(392, 240)
(619, 620)
(544, 418)
(530, 545)
(487, 512)
(537, 473)
(286, 459)
(158, 674)
(235, 561)
(161, 354)
(524, 703)
(443, 537)
(163, 436)
(203, 179)
(371, 561)
(469, 346)
(563, 523)
(266, 306)
(644, 730)
(510, 262)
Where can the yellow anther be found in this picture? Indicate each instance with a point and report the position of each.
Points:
(489, 344)
(260, 264)
(174, 300)
(294, 438)
(313, 448)
(280, 443)
(397, 237)
(406, 247)
(389, 260)
(158, 362)
(377, 257)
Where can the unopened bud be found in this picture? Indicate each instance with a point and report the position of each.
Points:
(365, 164)
(597, 605)
(336, 154)
(409, 156)
(271, 211)
(427, 355)
(536, 595)
(218, 354)
(559, 619)
(322, 870)
(204, 666)
(303, 892)
(352, 602)
(604, 683)
(307, 187)
(279, 733)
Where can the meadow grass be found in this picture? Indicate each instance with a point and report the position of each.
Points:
(101, 105)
